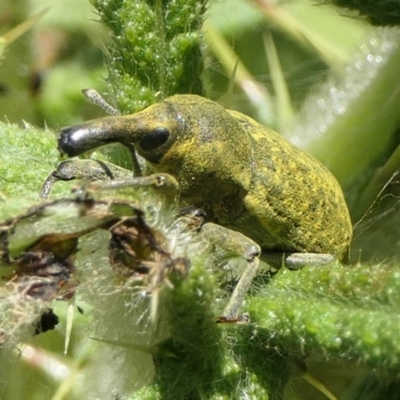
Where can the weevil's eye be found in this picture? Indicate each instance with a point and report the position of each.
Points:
(154, 139)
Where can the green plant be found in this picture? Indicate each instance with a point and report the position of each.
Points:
(314, 318)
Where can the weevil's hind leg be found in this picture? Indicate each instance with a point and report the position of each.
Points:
(295, 261)
(231, 311)
(239, 245)
(90, 170)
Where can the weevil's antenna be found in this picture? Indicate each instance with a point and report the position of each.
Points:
(94, 97)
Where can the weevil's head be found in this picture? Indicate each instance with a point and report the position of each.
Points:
(187, 136)
(151, 131)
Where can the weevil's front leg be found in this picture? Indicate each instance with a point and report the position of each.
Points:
(163, 183)
(90, 170)
(239, 245)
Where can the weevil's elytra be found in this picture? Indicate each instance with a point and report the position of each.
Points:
(246, 177)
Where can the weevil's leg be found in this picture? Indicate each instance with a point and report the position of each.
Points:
(47, 186)
(136, 166)
(296, 261)
(164, 183)
(90, 170)
(239, 245)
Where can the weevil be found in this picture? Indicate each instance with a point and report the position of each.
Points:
(262, 195)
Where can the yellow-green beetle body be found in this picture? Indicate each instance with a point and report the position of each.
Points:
(246, 177)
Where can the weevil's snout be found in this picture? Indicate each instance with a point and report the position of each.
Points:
(151, 131)
(78, 139)
(73, 141)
